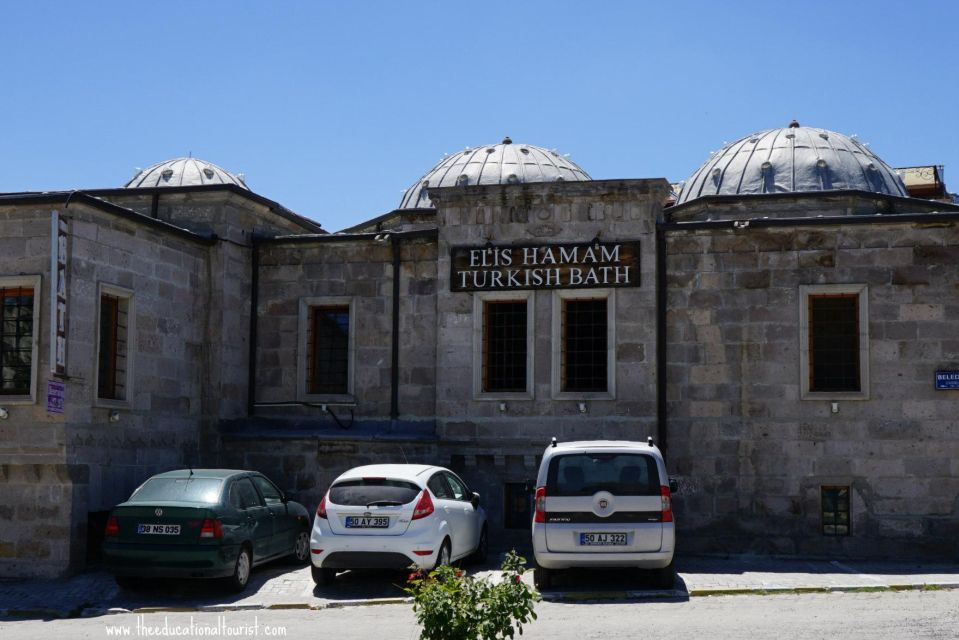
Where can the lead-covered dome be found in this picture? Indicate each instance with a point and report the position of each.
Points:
(792, 159)
(183, 172)
(503, 163)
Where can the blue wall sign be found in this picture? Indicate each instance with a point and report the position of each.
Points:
(947, 379)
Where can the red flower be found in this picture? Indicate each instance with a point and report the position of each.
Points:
(517, 578)
(413, 576)
(459, 574)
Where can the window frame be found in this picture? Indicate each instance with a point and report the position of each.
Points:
(480, 299)
(559, 298)
(861, 291)
(303, 394)
(822, 511)
(35, 282)
(122, 293)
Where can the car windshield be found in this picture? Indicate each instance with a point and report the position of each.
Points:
(583, 474)
(179, 489)
(366, 491)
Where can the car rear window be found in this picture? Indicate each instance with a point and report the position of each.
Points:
(622, 474)
(365, 491)
(205, 490)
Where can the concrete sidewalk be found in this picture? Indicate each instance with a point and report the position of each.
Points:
(280, 586)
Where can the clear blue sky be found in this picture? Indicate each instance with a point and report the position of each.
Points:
(334, 108)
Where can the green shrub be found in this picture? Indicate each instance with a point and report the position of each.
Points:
(451, 605)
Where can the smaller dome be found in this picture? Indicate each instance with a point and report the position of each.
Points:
(183, 172)
(792, 159)
(503, 163)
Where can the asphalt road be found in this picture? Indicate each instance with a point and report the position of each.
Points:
(879, 616)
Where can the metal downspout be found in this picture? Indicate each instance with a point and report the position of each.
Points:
(254, 303)
(395, 343)
(661, 285)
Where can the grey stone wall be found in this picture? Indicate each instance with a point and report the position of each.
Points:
(751, 453)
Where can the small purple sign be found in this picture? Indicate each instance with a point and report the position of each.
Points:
(55, 390)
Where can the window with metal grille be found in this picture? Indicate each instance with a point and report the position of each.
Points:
(16, 340)
(835, 511)
(504, 345)
(834, 343)
(585, 350)
(328, 352)
(113, 355)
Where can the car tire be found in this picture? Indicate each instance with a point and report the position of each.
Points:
(482, 549)
(301, 549)
(444, 556)
(666, 577)
(241, 571)
(322, 577)
(542, 578)
(128, 583)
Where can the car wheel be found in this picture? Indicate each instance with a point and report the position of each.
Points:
(301, 548)
(241, 571)
(666, 577)
(542, 578)
(322, 577)
(482, 549)
(443, 557)
(129, 583)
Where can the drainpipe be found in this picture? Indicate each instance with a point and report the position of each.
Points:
(661, 286)
(254, 302)
(395, 344)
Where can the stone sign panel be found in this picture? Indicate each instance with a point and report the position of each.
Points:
(59, 240)
(545, 266)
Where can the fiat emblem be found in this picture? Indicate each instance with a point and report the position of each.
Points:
(158, 512)
(603, 503)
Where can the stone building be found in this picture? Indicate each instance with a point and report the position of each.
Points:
(784, 327)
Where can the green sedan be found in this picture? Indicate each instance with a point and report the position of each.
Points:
(203, 523)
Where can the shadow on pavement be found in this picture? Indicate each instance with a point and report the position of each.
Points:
(597, 585)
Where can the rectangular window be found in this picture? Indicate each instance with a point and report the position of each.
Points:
(834, 342)
(504, 346)
(835, 511)
(113, 355)
(329, 350)
(17, 340)
(585, 350)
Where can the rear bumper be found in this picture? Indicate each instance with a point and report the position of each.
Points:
(169, 561)
(550, 559)
(345, 551)
(366, 560)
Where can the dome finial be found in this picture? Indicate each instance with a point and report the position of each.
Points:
(794, 124)
(507, 140)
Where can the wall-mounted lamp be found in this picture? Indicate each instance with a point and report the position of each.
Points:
(114, 416)
(4, 414)
(502, 407)
(835, 407)
(381, 237)
(582, 407)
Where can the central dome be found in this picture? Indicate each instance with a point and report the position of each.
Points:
(792, 159)
(503, 163)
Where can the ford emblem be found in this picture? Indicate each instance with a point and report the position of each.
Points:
(603, 503)
(158, 512)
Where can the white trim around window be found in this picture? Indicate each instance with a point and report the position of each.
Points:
(479, 311)
(302, 357)
(126, 296)
(805, 293)
(559, 297)
(34, 282)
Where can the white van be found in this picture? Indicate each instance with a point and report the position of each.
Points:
(603, 503)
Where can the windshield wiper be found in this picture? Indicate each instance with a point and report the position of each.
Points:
(384, 503)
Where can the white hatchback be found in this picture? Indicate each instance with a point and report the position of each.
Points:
(392, 516)
(603, 504)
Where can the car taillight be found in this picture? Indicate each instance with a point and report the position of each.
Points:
(211, 528)
(321, 508)
(667, 504)
(113, 528)
(424, 507)
(539, 503)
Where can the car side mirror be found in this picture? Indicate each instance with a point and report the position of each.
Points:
(475, 500)
(673, 485)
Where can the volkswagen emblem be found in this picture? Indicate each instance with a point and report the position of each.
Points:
(158, 512)
(602, 503)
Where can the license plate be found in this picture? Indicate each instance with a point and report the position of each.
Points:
(159, 529)
(602, 539)
(376, 522)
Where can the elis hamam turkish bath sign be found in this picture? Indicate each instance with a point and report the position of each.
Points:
(545, 266)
